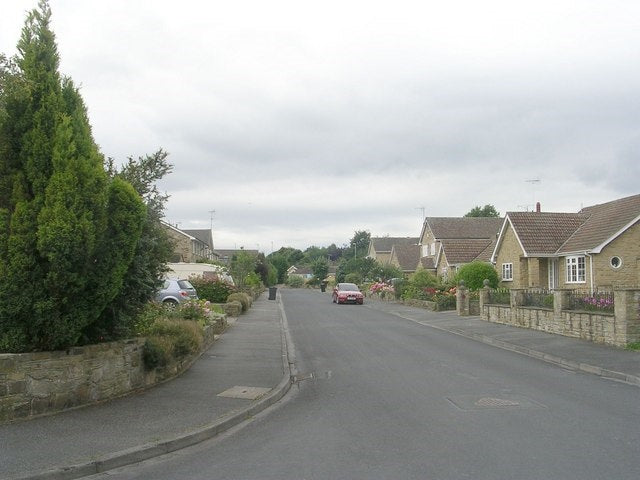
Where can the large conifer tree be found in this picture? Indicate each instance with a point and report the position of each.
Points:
(68, 231)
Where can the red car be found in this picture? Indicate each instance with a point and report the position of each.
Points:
(347, 293)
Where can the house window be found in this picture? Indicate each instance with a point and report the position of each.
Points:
(615, 262)
(507, 272)
(575, 269)
(425, 250)
(433, 248)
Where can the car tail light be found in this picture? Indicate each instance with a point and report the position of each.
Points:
(183, 293)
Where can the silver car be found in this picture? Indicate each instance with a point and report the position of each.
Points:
(176, 291)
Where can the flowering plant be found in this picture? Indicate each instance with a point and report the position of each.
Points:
(596, 302)
(198, 310)
(382, 289)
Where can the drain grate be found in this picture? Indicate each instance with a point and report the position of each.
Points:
(496, 402)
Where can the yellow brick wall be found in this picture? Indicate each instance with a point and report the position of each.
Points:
(383, 258)
(627, 247)
(510, 252)
(562, 275)
(182, 246)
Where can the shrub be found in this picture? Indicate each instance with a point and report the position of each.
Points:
(197, 310)
(185, 336)
(445, 301)
(423, 279)
(145, 320)
(243, 298)
(353, 278)
(212, 289)
(156, 352)
(295, 281)
(187, 342)
(253, 280)
(233, 308)
(475, 273)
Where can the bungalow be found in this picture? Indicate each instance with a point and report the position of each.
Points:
(190, 247)
(447, 243)
(380, 247)
(595, 248)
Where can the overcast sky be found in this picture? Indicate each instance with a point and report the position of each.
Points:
(301, 122)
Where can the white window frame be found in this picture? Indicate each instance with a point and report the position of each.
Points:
(576, 269)
(507, 272)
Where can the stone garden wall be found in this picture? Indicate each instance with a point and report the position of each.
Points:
(618, 328)
(40, 383)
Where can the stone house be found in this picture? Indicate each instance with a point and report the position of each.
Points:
(447, 243)
(190, 245)
(595, 248)
(380, 247)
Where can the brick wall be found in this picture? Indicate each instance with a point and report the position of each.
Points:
(182, 249)
(510, 252)
(627, 248)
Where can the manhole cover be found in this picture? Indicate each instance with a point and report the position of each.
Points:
(485, 402)
(496, 402)
(248, 393)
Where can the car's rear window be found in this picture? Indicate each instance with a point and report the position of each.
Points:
(348, 286)
(184, 284)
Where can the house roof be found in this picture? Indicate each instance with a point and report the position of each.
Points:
(465, 250)
(589, 230)
(543, 233)
(293, 270)
(204, 235)
(177, 230)
(385, 244)
(462, 227)
(604, 223)
(408, 256)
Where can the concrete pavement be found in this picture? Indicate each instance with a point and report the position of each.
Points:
(248, 365)
(255, 357)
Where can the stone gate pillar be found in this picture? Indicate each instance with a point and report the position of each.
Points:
(462, 300)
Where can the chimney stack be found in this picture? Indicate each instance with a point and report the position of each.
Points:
(537, 207)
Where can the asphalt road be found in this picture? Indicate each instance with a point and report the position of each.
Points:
(387, 398)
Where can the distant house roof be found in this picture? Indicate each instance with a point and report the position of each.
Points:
(408, 256)
(466, 250)
(230, 253)
(462, 227)
(204, 235)
(178, 231)
(385, 244)
(301, 271)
